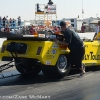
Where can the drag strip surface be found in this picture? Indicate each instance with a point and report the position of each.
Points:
(71, 87)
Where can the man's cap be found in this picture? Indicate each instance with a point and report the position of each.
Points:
(62, 23)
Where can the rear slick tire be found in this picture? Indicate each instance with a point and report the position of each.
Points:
(27, 67)
(60, 70)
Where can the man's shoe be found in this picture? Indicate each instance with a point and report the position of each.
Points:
(83, 67)
(82, 73)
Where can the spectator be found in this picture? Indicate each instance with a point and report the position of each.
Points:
(4, 21)
(7, 20)
(7, 29)
(32, 30)
(83, 28)
(19, 21)
(23, 30)
(50, 2)
(38, 8)
(56, 30)
(0, 22)
(10, 22)
(14, 22)
(97, 33)
(27, 30)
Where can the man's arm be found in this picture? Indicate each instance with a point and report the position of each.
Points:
(63, 43)
(68, 38)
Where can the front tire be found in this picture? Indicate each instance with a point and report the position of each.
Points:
(60, 70)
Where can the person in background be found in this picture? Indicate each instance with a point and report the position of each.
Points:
(7, 22)
(19, 21)
(7, 29)
(13, 22)
(56, 30)
(0, 23)
(83, 28)
(4, 22)
(50, 2)
(38, 8)
(23, 30)
(27, 30)
(32, 30)
(10, 22)
(75, 45)
(97, 31)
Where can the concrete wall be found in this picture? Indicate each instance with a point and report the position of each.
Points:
(1, 41)
(88, 35)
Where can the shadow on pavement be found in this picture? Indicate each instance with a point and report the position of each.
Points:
(40, 78)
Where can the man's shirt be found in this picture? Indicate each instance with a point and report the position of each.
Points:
(73, 39)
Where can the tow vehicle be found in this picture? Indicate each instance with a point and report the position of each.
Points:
(33, 54)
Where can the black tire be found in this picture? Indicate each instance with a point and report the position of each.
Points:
(57, 71)
(27, 67)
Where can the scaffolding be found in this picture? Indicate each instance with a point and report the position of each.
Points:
(45, 14)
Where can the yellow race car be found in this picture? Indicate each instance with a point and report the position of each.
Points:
(33, 54)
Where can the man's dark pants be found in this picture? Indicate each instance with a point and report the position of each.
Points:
(76, 57)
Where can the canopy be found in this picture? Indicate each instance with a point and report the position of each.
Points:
(94, 22)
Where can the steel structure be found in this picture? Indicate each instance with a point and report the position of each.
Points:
(44, 14)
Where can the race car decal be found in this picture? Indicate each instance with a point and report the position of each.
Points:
(85, 46)
(48, 62)
(39, 50)
(49, 56)
(96, 45)
(53, 51)
(91, 56)
(55, 46)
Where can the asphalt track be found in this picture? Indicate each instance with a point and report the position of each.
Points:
(72, 87)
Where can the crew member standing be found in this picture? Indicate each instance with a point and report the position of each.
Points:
(75, 45)
(97, 33)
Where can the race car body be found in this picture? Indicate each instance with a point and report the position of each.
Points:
(47, 52)
(46, 55)
(92, 53)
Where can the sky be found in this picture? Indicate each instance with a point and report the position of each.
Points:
(65, 8)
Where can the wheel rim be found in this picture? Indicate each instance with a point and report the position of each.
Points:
(62, 63)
